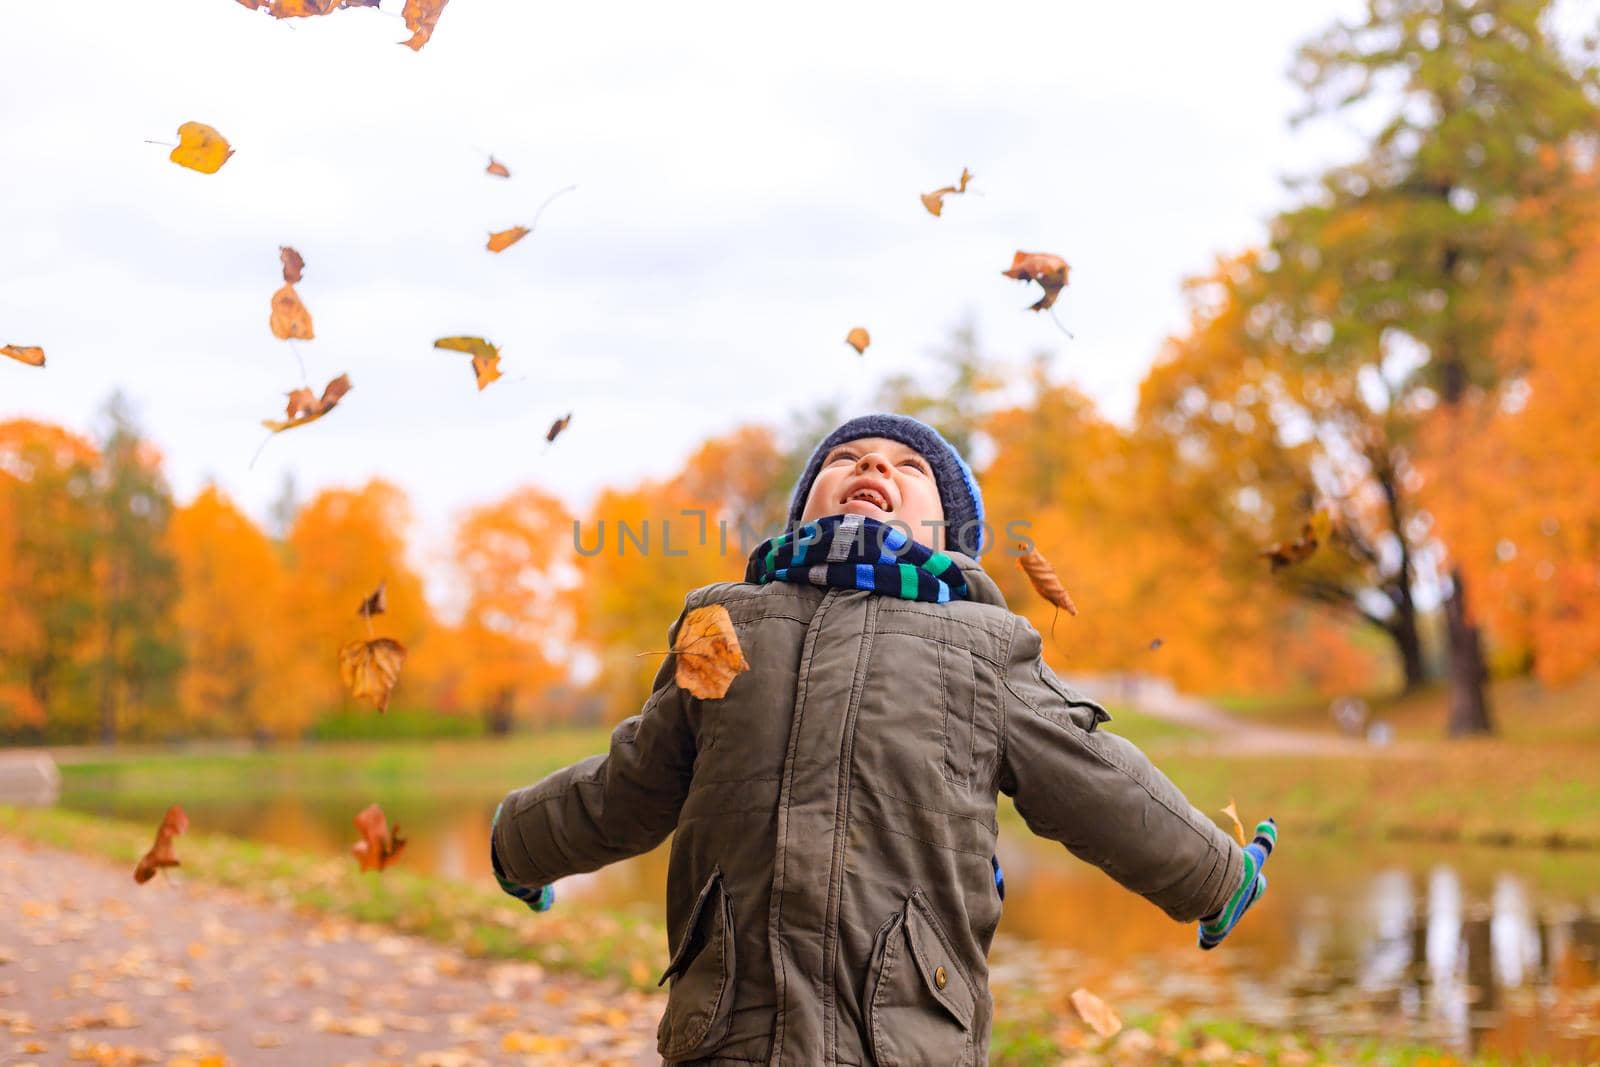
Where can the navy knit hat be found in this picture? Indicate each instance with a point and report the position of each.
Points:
(958, 489)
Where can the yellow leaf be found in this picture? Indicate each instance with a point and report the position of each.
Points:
(370, 669)
(485, 356)
(1232, 812)
(201, 148)
(290, 319)
(499, 242)
(709, 657)
(858, 339)
(1096, 1013)
(32, 355)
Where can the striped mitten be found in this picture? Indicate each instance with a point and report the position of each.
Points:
(539, 898)
(1215, 927)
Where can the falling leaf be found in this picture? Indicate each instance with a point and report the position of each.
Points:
(556, 427)
(421, 16)
(858, 339)
(499, 242)
(161, 854)
(376, 604)
(1096, 1013)
(303, 407)
(1155, 643)
(32, 355)
(497, 168)
(709, 657)
(370, 669)
(1232, 812)
(290, 319)
(292, 9)
(293, 264)
(379, 844)
(934, 201)
(1049, 271)
(1044, 579)
(200, 148)
(485, 356)
(1287, 553)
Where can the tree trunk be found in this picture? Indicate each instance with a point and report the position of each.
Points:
(1408, 642)
(1469, 706)
(498, 719)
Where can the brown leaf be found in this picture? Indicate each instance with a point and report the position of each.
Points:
(504, 239)
(200, 148)
(421, 16)
(934, 201)
(557, 426)
(1049, 271)
(370, 669)
(1044, 580)
(1096, 1012)
(32, 355)
(709, 657)
(376, 604)
(858, 339)
(302, 408)
(379, 845)
(290, 319)
(485, 356)
(161, 854)
(1287, 553)
(497, 168)
(293, 264)
(1232, 812)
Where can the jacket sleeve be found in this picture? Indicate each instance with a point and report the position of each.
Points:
(1098, 795)
(604, 808)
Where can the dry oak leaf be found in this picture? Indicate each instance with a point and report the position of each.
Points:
(1288, 553)
(370, 669)
(556, 427)
(1232, 812)
(200, 148)
(1049, 271)
(709, 657)
(504, 239)
(379, 844)
(376, 604)
(485, 356)
(934, 201)
(32, 355)
(858, 339)
(497, 168)
(304, 407)
(161, 853)
(290, 319)
(293, 264)
(421, 16)
(1096, 1013)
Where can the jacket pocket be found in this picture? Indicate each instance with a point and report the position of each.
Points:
(921, 1002)
(958, 694)
(700, 1001)
(1081, 711)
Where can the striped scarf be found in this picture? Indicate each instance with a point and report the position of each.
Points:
(855, 552)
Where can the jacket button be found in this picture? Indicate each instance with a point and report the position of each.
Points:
(939, 977)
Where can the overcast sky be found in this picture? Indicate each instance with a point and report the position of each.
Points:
(747, 191)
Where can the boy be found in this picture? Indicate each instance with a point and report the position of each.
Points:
(831, 895)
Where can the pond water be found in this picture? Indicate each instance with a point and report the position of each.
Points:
(1474, 949)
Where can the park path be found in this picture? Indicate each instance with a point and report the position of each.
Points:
(96, 969)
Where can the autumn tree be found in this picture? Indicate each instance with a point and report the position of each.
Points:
(516, 571)
(136, 581)
(1396, 271)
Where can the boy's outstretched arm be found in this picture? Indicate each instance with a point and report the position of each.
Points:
(1102, 798)
(603, 808)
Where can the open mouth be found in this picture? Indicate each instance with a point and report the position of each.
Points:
(870, 496)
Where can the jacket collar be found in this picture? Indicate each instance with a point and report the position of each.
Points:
(981, 588)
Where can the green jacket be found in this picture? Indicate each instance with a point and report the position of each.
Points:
(829, 897)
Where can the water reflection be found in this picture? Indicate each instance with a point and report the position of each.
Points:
(1477, 949)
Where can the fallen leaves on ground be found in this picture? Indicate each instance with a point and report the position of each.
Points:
(161, 853)
(379, 844)
(485, 356)
(32, 355)
(934, 201)
(304, 406)
(858, 339)
(1096, 1013)
(290, 320)
(200, 148)
(709, 657)
(1042, 267)
(556, 428)
(497, 168)
(370, 669)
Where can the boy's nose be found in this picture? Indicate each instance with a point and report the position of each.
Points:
(874, 462)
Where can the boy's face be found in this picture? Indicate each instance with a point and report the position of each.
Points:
(883, 480)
